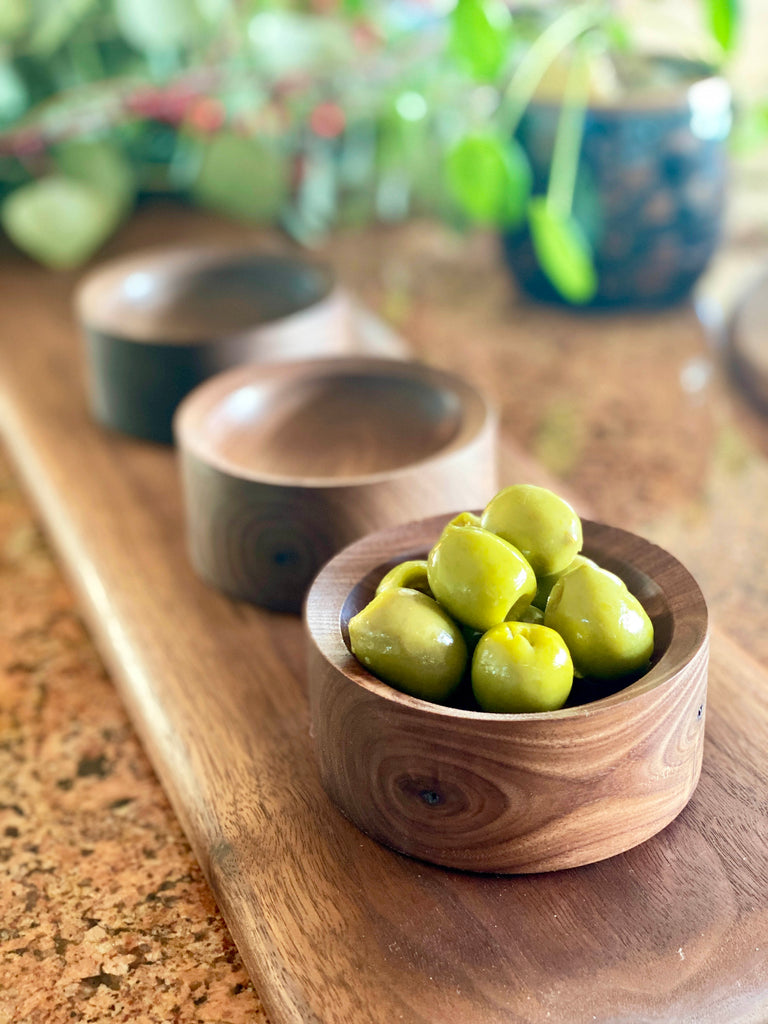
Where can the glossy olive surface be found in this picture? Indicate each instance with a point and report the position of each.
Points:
(405, 638)
(521, 667)
(411, 574)
(544, 584)
(466, 519)
(542, 525)
(479, 577)
(607, 630)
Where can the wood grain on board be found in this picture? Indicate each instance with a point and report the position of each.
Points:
(333, 927)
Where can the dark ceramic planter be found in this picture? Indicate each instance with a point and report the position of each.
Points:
(649, 194)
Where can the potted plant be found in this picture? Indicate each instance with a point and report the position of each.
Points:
(316, 114)
(616, 157)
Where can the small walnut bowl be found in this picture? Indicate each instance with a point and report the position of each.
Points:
(159, 322)
(285, 464)
(509, 793)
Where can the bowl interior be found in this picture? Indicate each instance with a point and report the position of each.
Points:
(657, 591)
(183, 296)
(328, 419)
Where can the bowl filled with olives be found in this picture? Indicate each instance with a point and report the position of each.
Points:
(508, 690)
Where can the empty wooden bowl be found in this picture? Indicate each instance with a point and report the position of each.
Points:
(509, 793)
(285, 464)
(158, 323)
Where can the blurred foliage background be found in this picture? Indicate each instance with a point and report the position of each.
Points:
(311, 115)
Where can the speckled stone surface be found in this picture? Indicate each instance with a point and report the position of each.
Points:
(104, 912)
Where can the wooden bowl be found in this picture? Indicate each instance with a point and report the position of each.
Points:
(509, 793)
(158, 323)
(285, 464)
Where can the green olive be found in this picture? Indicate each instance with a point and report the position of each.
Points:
(405, 638)
(411, 574)
(529, 614)
(542, 525)
(477, 577)
(544, 584)
(607, 630)
(466, 519)
(519, 667)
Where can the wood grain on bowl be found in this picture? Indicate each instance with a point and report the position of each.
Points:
(285, 464)
(510, 793)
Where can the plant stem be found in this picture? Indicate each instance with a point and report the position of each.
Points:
(570, 131)
(548, 46)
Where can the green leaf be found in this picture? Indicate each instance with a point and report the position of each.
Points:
(13, 93)
(100, 164)
(244, 178)
(56, 21)
(723, 19)
(618, 33)
(58, 221)
(157, 25)
(480, 36)
(14, 18)
(490, 178)
(562, 251)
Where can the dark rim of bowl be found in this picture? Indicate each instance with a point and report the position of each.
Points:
(176, 263)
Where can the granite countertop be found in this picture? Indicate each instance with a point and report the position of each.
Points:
(104, 912)
(106, 915)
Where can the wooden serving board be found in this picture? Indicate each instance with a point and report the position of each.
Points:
(334, 928)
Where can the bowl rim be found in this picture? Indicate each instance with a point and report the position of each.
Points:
(320, 615)
(477, 414)
(175, 262)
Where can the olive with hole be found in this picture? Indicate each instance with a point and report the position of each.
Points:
(544, 584)
(521, 667)
(411, 574)
(478, 577)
